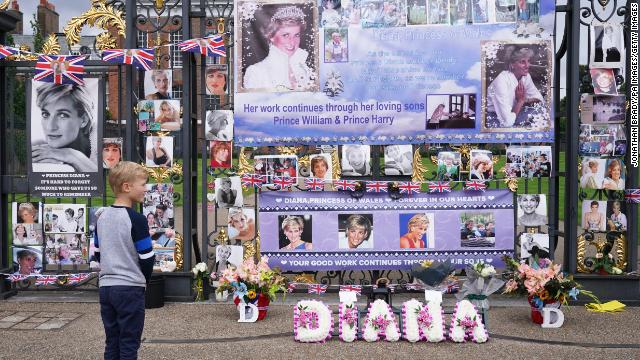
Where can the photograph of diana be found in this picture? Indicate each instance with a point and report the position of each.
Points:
(228, 192)
(614, 175)
(111, 152)
(215, 79)
(167, 114)
(159, 151)
(27, 260)
(451, 111)
(516, 79)
(616, 219)
(321, 166)
(157, 84)
(594, 215)
(355, 231)
(481, 165)
(27, 234)
(278, 49)
(532, 210)
(602, 109)
(26, 213)
(242, 224)
(607, 45)
(398, 160)
(534, 246)
(295, 232)
(220, 154)
(593, 172)
(356, 160)
(219, 125)
(63, 127)
(603, 81)
(480, 11)
(417, 231)
(449, 166)
(505, 10)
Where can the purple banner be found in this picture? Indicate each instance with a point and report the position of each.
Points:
(312, 231)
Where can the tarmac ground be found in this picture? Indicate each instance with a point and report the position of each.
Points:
(67, 325)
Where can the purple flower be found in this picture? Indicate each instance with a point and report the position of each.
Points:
(424, 318)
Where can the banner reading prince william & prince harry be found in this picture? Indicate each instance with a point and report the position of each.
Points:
(393, 71)
(334, 231)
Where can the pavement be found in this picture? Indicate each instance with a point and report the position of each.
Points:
(66, 325)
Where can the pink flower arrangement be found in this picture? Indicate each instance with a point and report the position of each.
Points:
(350, 316)
(424, 318)
(379, 322)
(253, 278)
(308, 319)
(468, 323)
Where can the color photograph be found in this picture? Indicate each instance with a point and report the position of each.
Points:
(417, 231)
(159, 151)
(477, 230)
(242, 224)
(27, 259)
(355, 231)
(455, 111)
(157, 206)
(158, 84)
(321, 166)
(594, 215)
(111, 152)
(275, 165)
(295, 232)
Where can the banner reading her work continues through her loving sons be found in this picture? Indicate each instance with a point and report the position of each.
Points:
(302, 231)
(393, 71)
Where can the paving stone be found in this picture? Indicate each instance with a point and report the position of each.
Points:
(26, 313)
(24, 326)
(68, 316)
(36, 320)
(52, 324)
(14, 318)
(46, 314)
(6, 324)
(4, 314)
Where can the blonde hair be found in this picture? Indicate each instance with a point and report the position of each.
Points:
(418, 219)
(292, 221)
(125, 171)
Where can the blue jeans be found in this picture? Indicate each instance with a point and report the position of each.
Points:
(122, 310)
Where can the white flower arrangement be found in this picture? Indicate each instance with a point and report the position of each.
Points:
(200, 268)
(312, 321)
(466, 323)
(348, 321)
(380, 320)
(422, 322)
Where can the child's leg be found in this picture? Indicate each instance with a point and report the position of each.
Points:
(130, 308)
(111, 328)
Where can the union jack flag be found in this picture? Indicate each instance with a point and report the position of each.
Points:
(252, 180)
(376, 186)
(345, 185)
(407, 187)
(45, 280)
(475, 185)
(355, 288)
(141, 58)
(291, 287)
(16, 277)
(76, 278)
(632, 195)
(7, 51)
(451, 288)
(413, 286)
(317, 289)
(60, 69)
(212, 45)
(314, 184)
(282, 182)
(439, 187)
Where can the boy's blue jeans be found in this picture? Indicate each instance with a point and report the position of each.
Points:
(122, 310)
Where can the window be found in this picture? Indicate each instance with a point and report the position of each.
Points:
(176, 54)
(177, 92)
(142, 39)
(456, 102)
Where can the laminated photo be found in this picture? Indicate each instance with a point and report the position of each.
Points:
(285, 166)
(398, 160)
(27, 260)
(27, 234)
(534, 245)
(481, 165)
(532, 210)
(64, 218)
(111, 152)
(356, 160)
(219, 125)
(242, 224)
(355, 231)
(228, 192)
(321, 166)
(157, 206)
(607, 45)
(594, 215)
(449, 165)
(158, 84)
(26, 213)
(216, 79)
(159, 151)
(66, 249)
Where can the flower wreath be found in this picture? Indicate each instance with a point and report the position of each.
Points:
(312, 321)
(348, 321)
(422, 321)
(380, 320)
(466, 323)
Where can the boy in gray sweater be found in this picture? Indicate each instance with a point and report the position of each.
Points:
(124, 250)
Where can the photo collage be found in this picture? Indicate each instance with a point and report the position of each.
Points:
(158, 209)
(27, 237)
(66, 244)
(528, 161)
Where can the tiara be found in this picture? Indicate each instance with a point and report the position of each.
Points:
(288, 13)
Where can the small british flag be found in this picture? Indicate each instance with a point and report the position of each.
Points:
(212, 45)
(140, 58)
(316, 289)
(45, 280)
(16, 277)
(7, 51)
(452, 287)
(354, 288)
(632, 195)
(345, 185)
(413, 286)
(252, 180)
(475, 185)
(291, 287)
(314, 184)
(60, 69)
(408, 187)
(439, 187)
(282, 182)
(376, 186)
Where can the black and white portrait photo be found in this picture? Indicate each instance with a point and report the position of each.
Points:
(159, 151)
(532, 210)
(454, 111)
(65, 218)
(534, 246)
(228, 192)
(219, 125)
(227, 256)
(505, 10)
(356, 160)
(64, 127)
(607, 45)
(398, 160)
(157, 84)
(516, 82)
(278, 48)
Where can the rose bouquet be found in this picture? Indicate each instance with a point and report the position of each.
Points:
(481, 282)
(200, 272)
(250, 280)
(544, 285)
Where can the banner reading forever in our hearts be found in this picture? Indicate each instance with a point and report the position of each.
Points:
(384, 72)
(308, 231)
